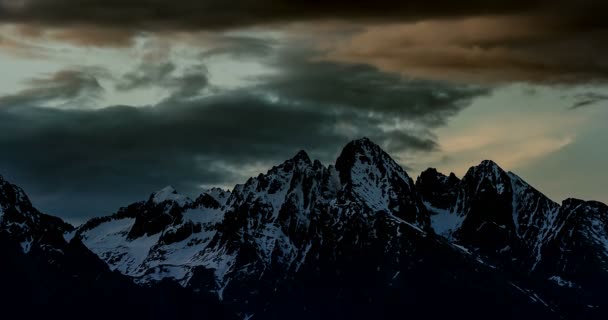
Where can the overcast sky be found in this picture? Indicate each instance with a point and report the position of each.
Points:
(103, 102)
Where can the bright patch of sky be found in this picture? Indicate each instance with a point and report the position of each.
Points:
(532, 131)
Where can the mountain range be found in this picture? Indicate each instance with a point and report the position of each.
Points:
(358, 239)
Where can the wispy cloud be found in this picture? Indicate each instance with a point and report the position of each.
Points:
(483, 49)
(75, 87)
(588, 99)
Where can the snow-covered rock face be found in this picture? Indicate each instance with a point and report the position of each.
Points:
(376, 180)
(302, 221)
(159, 238)
(440, 196)
(45, 272)
(12, 198)
(534, 217)
(504, 220)
(479, 203)
(577, 248)
(267, 220)
(21, 222)
(277, 220)
(168, 193)
(16, 214)
(490, 211)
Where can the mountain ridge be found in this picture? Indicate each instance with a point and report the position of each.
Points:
(267, 246)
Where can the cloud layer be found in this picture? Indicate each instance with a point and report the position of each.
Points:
(546, 49)
(200, 137)
(212, 14)
(394, 71)
(470, 41)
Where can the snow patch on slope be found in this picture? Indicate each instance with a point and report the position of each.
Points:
(539, 213)
(444, 222)
(26, 245)
(373, 185)
(109, 241)
(561, 282)
(177, 260)
(168, 193)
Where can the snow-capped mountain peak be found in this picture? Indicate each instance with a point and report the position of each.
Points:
(488, 176)
(375, 179)
(22, 223)
(218, 194)
(169, 193)
(13, 196)
(302, 156)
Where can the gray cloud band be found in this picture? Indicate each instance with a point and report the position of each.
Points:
(121, 153)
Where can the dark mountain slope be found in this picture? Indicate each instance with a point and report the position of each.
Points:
(43, 275)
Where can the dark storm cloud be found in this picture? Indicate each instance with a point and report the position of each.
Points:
(128, 152)
(485, 49)
(544, 41)
(213, 14)
(122, 153)
(399, 140)
(366, 89)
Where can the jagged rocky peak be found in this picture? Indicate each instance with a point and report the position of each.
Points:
(449, 192)
(300, 161)
(218, 194)
(374, 179)
(364, 153)
(212, 198)
(533, 212)
(163, 208)
(17, 217)
(168, 193)
(21, 223)
(488, 177)
(588, 217)
(576, 252)
(302, 156)
(12, 196)
(491, 211)
(487, 168)
(432, 176)
(294, 181)
(277, 180)
(436, 189)
(362, 161)
(486, 201)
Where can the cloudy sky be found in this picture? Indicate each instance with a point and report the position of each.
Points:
(103, 102)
